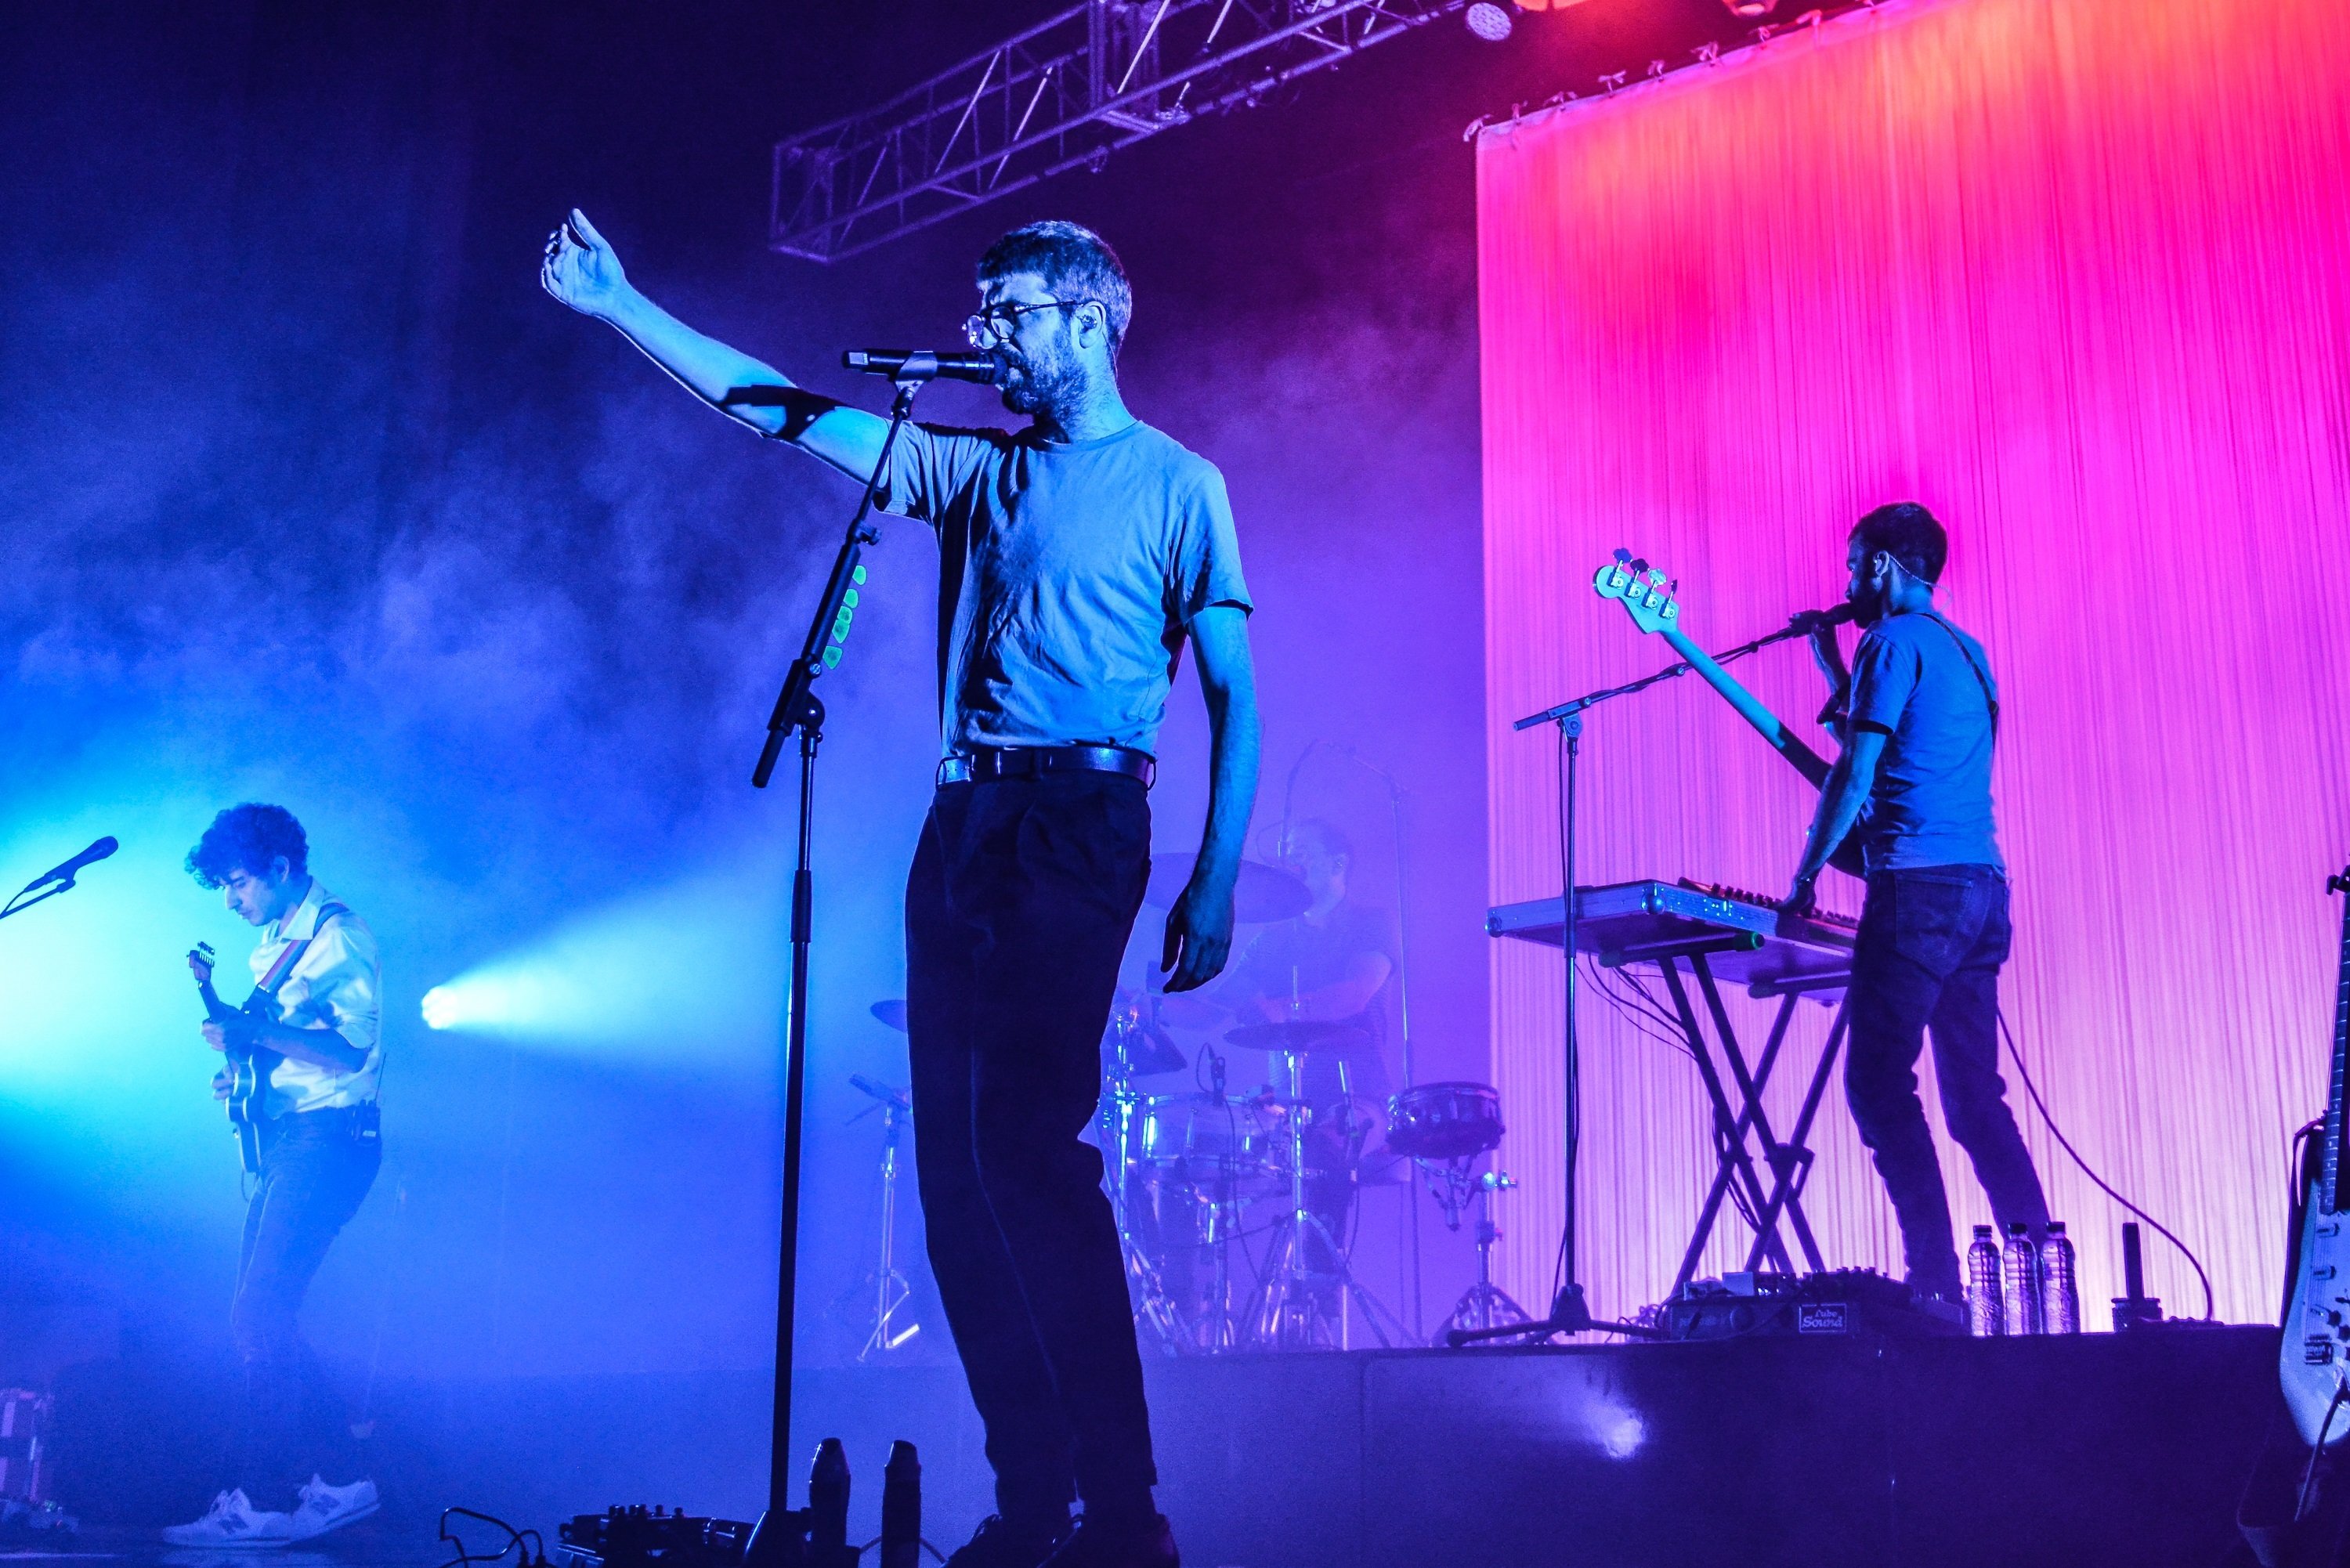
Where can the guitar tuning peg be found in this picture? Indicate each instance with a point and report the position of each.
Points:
(1622, 555)
(1638, 566)
(1673, 586)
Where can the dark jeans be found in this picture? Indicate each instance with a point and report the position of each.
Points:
(315, 1171)
(1929, 953)
(1018, 911)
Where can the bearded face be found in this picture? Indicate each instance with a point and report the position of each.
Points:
(1044, 372)
(1867, 588)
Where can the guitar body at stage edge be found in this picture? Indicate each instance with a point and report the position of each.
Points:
(2313, 1363)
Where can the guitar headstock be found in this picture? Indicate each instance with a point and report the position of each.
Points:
(1645, 592)
(201, 961)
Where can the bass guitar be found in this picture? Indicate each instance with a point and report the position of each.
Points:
(2314, 1361)
(249, 1065)
(1646, 596)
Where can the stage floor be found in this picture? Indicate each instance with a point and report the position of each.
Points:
(1807, 1452)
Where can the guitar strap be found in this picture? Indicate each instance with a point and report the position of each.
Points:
(1980, 678)
(283, 966)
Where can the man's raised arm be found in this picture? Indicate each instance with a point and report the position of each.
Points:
(583, 271)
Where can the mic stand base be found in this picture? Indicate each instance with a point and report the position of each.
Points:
(1569, 1313)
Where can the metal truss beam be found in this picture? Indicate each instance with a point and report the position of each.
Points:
(1102, 74)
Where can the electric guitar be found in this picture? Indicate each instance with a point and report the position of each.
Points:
(1646, 596)
(249, 1065)
(2315, 1361)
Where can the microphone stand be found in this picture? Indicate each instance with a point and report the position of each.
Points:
(778, 1539)
(1569, 1312)
(14, 908)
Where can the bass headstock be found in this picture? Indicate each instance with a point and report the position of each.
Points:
(1644, 591)
(200, 959)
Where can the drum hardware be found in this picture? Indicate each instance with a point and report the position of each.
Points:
(1137, 1040)
(1485, 1305)
(885, 1288)
(1154, 1308)
(1329, 1037)
(1290, 1311)
(1445, 1128)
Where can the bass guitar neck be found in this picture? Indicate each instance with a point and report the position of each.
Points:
(1785, 741)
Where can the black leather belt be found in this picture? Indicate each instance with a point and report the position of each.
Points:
(983, 763)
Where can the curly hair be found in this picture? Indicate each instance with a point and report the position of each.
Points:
(246, 838)
(1068, 257)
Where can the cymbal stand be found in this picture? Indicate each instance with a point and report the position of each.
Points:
(891, 1288)
(1288, 1313)
(1153, 1308)
(1485, 1304)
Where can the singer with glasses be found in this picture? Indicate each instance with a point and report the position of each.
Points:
(1918, 715)
(1078, 556)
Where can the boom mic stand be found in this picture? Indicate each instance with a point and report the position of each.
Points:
(779, 1538)
(1569, 1312)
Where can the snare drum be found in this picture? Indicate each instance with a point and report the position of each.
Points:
(1203, 1140)
(1445, 1121)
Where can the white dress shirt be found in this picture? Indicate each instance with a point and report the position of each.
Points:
(336, 984)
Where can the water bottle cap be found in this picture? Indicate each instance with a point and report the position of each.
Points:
(2019, 1228)
(2055, 1227)
(1982, 1232)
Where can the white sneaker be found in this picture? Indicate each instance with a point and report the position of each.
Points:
(325, 1508)
(232, 1521)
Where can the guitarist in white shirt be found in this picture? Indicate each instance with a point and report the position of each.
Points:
(1920, 716)
(321, 1149)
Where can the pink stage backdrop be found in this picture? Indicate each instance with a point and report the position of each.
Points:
(2076, 274)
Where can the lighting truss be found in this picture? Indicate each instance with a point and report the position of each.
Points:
(1099, 76)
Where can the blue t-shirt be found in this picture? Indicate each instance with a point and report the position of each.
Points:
(1916, 680)
(1071, 571)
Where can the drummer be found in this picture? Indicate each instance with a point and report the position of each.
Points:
(1333, 963)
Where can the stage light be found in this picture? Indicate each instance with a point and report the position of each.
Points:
(693, 971)
(1490, 22)
(1750, 10)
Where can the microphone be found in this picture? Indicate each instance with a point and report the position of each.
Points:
(923, 365)
(65, 873)
(1820, 620)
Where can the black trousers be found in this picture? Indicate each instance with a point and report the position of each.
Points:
(316, 1169)
(1018, 911)
(1927, 956)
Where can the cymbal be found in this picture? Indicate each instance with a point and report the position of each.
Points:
(892, 1013)
(1262, 894)
(1327, 1036)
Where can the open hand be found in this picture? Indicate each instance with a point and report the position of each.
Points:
(581, 268)
(1199, 935)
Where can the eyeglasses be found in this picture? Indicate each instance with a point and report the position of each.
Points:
(998, 322)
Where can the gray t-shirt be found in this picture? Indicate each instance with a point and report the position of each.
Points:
(1069, 574)
(1914, 678)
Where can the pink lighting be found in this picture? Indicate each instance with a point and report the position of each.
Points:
(2078, 277)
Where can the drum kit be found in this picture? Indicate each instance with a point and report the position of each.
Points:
(1236, 1205)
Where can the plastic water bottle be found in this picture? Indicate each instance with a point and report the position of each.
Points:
(1984, 1320)
(2060, 1287)
(2020, 1282)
